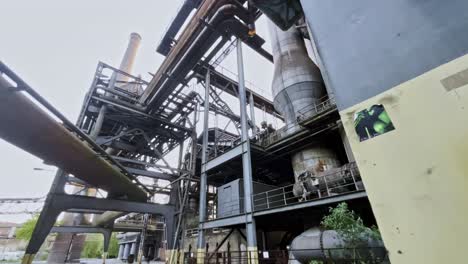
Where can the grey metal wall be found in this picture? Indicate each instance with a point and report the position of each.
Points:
(367, 46)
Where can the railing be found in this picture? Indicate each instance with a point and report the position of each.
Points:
(343, 180)
(309, 111)
(339, 181)
(106, 85)
(361, 255)
(193, 232)
(270, 138)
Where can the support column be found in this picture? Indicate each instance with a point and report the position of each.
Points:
(246, 163)
(46, 219)
(203, 181)
(142, 238)
(170, 229)
(182, 194)
(107, 237)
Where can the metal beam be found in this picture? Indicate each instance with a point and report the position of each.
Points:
(146, 164)
(228, 221)
(230, 86)
(152, 174)
(78, 229)
(225, 157)
(143, 114)
(64, 202)
(85, 211)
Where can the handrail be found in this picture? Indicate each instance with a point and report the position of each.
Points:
(339, 181)
(325, 104)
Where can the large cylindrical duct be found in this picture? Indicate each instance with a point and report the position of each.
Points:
(298, 84)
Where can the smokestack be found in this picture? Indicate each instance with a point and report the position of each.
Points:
(297, 83)
(126, 65)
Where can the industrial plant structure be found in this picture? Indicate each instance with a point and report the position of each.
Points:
(347, 84)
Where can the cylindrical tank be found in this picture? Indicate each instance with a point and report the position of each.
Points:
(315, 159)
(134, 248)
(315, 244)
(121, 251)
(297, 82)
(126, 251)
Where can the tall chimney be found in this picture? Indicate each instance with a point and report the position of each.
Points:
(126, 65)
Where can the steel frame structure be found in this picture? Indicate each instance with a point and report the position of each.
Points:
(135, 132)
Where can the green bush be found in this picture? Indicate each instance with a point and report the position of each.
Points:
(350, 226)
(26, 230)
(94, 246)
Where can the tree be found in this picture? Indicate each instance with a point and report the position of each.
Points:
(350, 226)
(26, 230)
(113, 246)
(94, 246)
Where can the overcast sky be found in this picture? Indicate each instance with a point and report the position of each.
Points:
(55, 45)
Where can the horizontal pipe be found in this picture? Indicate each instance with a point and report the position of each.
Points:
(222, 23)
(27, 126)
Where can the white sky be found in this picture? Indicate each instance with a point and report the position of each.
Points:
(54, 45)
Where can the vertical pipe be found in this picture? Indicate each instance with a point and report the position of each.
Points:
(193, 157)
(246, 161)
(202, 210)
(98, 124)
(181, 202)
(126, 251)
(142, 238)
(216, 135)
(252, 115)
(133, 249)
(121, 251)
